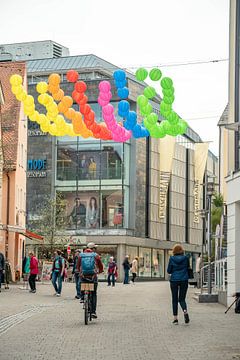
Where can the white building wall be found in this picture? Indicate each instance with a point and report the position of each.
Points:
(233, 236)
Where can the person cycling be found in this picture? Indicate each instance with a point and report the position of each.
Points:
(93, 276)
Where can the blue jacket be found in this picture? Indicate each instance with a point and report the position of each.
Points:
(178, 268)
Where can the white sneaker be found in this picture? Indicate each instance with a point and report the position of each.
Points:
(58, 295)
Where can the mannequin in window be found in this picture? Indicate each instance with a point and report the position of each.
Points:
(92, 167)
(92, 213)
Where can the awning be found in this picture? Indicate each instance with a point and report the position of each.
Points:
(31, 235)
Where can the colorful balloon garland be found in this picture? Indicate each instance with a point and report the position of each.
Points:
(83, 123)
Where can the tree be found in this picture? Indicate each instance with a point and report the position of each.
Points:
(217, 210)
(51, 217)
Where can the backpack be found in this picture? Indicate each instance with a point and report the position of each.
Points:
(88, 265)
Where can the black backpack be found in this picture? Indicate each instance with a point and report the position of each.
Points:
(237, 306)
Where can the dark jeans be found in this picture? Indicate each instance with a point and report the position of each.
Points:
(32, 281)
(57, 278)
(113, 279)
(126, 276)
(94, 295)
(78, 284)
(1, 278)
(179, 292)
(134, 275)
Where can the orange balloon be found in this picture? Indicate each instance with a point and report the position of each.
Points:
(54, 79)
(62, 108)
(59, 95)
(78, 117)
(53, 89)
(70, 114)
(67, 101)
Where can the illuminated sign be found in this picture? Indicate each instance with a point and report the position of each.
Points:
(37, 168)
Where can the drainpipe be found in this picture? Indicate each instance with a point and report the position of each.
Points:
(7, 222)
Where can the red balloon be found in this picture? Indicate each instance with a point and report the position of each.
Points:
(77, 96)
(85, 109)
(91, 115)
(80, 86)
(83, 101)
(72, 76)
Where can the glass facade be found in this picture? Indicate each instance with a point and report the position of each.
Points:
(93, 178)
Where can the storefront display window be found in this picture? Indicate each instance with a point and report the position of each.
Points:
(132, 252)
(106, 252)
(112, 209)
(145, 262)
(157, 263)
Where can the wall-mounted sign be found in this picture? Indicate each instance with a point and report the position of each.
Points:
(37, 164)
(37, 168)
(36, 132)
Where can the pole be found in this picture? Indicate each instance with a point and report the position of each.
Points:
(209, 246)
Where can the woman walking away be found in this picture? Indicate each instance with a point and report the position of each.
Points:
(126, 268)
(33, 272)
(178, 267)
(134, 269)
(112, 269)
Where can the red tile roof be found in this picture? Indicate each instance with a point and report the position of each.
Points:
(10, 113)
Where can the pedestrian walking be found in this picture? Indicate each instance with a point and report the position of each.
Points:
(178, 268)
(134, 269)
(8, 274)
(2, 268)
(58, 272)
(33, 272)
(112, 270)
(198, 270)
(76, 274)
(126, 268)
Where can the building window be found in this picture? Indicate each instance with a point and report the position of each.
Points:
(158, 263)
(145, 262)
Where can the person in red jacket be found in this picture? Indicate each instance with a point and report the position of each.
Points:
(33, 272)
(91, 248)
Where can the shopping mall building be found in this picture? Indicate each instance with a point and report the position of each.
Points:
(116, 194)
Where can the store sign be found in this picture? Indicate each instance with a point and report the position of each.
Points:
(163, 187)
(37, 168)
(36, 132)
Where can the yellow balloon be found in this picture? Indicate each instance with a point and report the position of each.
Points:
(21, 96)
(59, 121)
(51, 116)
(52, 108)
(17, 89)
(15, 80)
(42, 87)
(52, 129)
(42, 119)
(42, 99)
(48, 100)
(34, 116)
(29, 100)
(29, 110)
(45, 127)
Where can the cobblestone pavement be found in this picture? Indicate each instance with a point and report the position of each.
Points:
(134, 323)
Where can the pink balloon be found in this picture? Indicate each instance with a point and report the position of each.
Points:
(105, 95)
(104, 86)
(108, 118)
(108, 109)
(102, 102)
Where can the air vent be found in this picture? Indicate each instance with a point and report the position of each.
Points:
(57, 51)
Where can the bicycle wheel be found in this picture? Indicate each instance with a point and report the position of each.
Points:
(86, 308)
(90, 306)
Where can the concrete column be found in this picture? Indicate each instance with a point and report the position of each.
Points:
(121, 253)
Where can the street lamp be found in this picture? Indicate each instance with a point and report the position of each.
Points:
(210, 191)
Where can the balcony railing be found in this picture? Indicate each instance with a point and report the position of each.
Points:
(106, 174)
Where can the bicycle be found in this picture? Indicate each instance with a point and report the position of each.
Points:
(87, 288)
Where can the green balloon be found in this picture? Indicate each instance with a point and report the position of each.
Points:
(166, 126)
(168, 92)
(152, 118)
(142, 100)
(182, 127)
(149, 92)
(166, 83)
(168, 99)
(155, 74)
(165, 109)
(141, 74)
(157, 131)
(146, 110)
(147, 124)
(173, 118)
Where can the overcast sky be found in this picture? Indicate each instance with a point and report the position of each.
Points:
(137, 32)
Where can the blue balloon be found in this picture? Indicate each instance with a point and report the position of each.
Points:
(123, 108)
(120, 83)
(127, 125)
(123, 93)
(119, 75)
(132, 117)
(140, 131)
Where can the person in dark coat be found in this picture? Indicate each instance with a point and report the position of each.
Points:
(178, 268)
(2, 268)
(8, 274)
(126, 268)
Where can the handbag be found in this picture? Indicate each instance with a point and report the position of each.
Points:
(190, 273)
